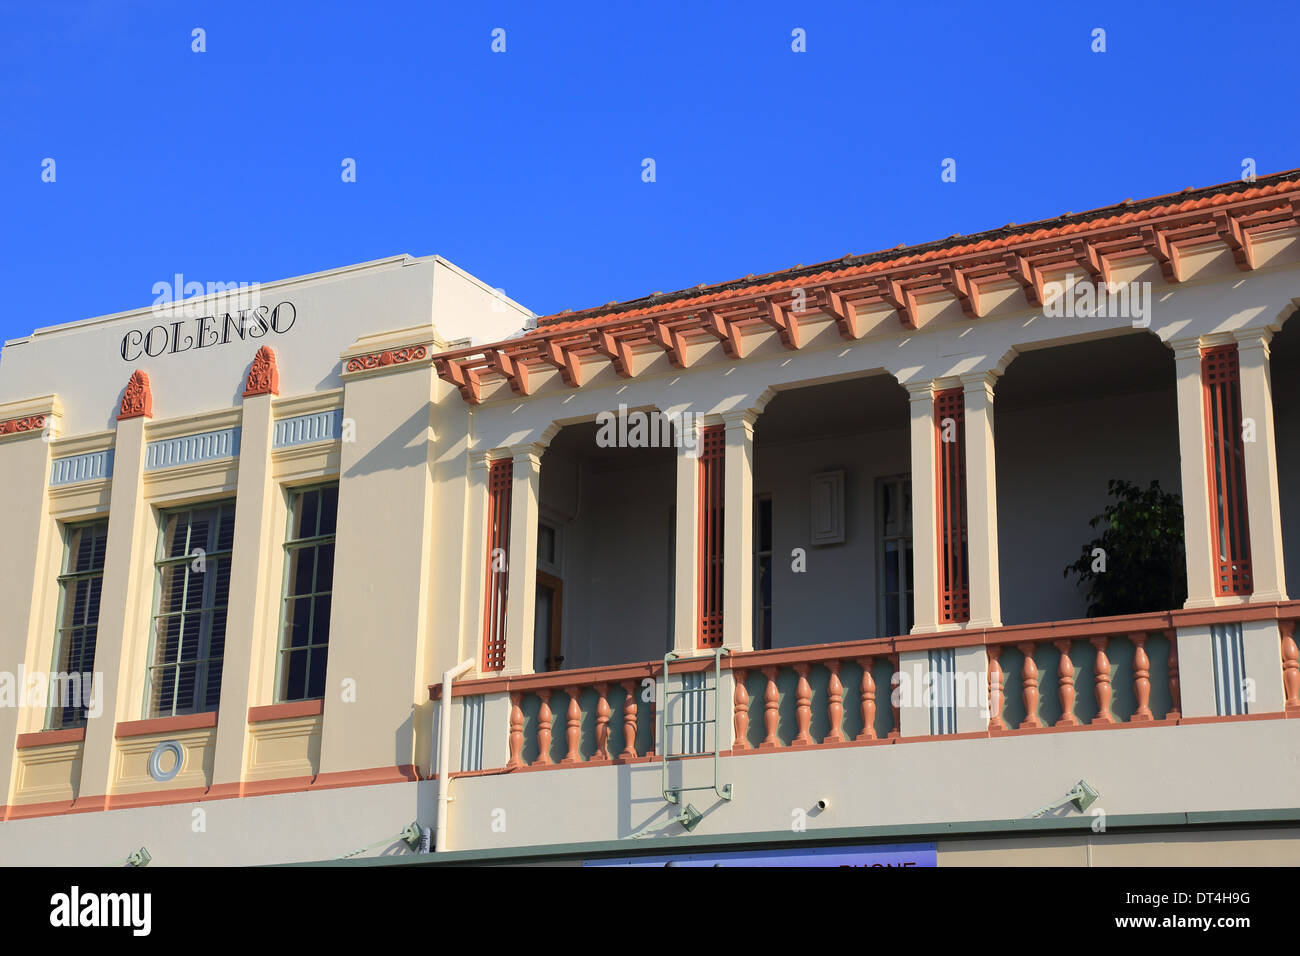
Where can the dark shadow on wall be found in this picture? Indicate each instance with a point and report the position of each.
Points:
(406, 446)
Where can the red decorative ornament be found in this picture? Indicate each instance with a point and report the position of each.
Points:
(15, 425)
(263, 375)
(137, 400)
(411, 353)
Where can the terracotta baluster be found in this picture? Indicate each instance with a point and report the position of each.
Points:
(602, 723)
(771, 710)
(1141, 678)
(740, 710)
(516, 731)
(1029, 682)
(997, 699)
(1065, 678)
(1290, 667)
(573, 729)
(1101, 681)
(834, 703)
(868, 731)
(895, 705)
(629, 721)
(802, 707)
(544, 728)
(1175, 687)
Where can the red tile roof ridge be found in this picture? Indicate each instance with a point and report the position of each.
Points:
(1005, 237)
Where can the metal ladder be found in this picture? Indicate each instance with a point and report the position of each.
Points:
(694, 731)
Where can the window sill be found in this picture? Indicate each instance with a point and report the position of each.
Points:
(42, 737)
(162, 725)
(296, 708)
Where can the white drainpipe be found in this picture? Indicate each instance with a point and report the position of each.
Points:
(444, 746)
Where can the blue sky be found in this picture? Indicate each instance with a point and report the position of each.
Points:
(525, 167)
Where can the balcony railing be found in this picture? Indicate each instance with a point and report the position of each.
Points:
(1078, 675)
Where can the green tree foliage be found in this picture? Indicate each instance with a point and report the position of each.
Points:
(1142, 549)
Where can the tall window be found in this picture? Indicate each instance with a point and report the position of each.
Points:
(189, 635)
(763, 573)
(1221, 378)
(500, 478)
(894, 533)
(950, 452)
(713, 445)
(80, 586)
(309, 582)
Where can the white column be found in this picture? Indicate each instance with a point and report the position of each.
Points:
(738, 533)
(28, 566)
(470, 640)
(1267, 570)
(925, 547)
(1195, 474)
(981, 503)
(521, 585)
(127, 562)
(249, 648)
(686, 541)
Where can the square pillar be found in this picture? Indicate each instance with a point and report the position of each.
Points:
(469, 641)
(1195, 475)
(30, 552)
(971, 677)
(521, 584)
(686, 540)
(981, 503)
(127, 566)
(252, 638)
(925, 533)
(738, 533)
(1262, 501)
(914, 675)
(379, 619)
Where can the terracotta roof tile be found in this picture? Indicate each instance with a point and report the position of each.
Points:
(1009, 235)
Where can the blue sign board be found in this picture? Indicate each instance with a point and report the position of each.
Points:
(882, 855)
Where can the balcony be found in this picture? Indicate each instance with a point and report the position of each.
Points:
(1073, 676)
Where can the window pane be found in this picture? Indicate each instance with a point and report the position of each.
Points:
(329, 509)
(316, 672)
(294, 679)
(297, 622)
(765, 524)
(226, 530)
(302, 568)
(175, 536)
(201, 525)
(891, 580)
(217, 642)
(888, 510)
(892, 622)
(320, 623)
(325, 567)
(186, 677)
(305, 514)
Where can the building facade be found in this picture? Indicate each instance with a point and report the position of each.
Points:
(776, 562)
